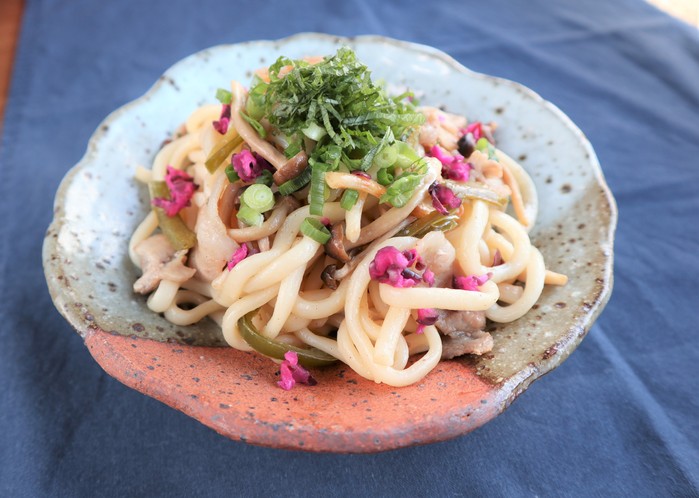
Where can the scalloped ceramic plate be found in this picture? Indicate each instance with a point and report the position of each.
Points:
(99, 204)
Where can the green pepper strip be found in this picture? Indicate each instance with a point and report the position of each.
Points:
(223, 149)
(311, 357)
(173, 228)
(430, 223)
(466, 191)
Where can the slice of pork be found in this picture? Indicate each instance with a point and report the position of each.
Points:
(214, 247)
(463, 333)
(159, 261)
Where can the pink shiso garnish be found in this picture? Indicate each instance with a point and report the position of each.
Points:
(442, 155)
(240, 254)
(221, 125)
(425, 317)
(471, 282)
(390, 266)
(476, 129)
(396, 268)
(181, 187)
(443, 199)
(453, 167)
(248, 165)
(291, 372)
(428, 277)
(458, 170)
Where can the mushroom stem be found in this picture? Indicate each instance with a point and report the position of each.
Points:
(248, 134)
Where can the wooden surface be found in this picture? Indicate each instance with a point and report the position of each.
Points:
(11, 15)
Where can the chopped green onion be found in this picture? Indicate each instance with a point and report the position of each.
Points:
(386, 157)
(256, 98)
(385, 176)
(173, 227)
(406, 155)
(402, 189)
(253, 110)
(297, 182)
(293, 148)
(231, 174)
(349, 199)
(265, 178)
(223, 149)
(318, 188)
(249, 216)
(314, 132)
(224, 96)
(313, 228)
(255, 124)
(331, 155)
(369, 158)
(310, 357)
(258, 197)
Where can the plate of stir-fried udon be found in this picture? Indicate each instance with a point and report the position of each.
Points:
(333, 244)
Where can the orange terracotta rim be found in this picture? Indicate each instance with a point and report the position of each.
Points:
(234, 393)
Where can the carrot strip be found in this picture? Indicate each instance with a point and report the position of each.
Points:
(517, 202)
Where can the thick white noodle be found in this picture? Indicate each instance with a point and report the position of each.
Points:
(204, 307)
(144, 230)
(321, 308)
(391, 331)
(288, 290)
(521, 247)
(468, 238)
(202, 116)
(296, 257)
(164, 296)
(441, 298)
(536, 272)
(353, 219)
(243, 306)
(357, 345)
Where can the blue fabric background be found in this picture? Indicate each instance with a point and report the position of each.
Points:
(620, 417)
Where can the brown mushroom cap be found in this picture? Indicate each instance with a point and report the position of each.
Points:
(335, 247)
(328, 277)
(293, 168)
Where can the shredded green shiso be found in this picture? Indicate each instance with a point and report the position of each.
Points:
(349, 118)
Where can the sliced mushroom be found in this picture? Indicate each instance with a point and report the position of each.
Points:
(293, 168)
(335, 247)
(328, 277)
(248, 134)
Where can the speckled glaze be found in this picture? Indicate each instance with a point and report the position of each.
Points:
(99, 204)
